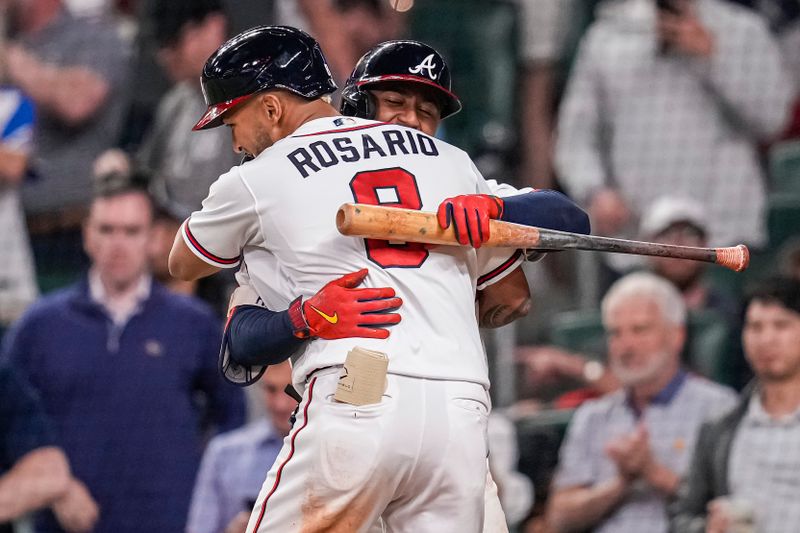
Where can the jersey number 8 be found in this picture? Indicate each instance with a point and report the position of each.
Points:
(393, 187)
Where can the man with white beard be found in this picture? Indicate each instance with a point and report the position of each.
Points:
(624, 453)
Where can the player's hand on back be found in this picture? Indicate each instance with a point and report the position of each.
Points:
(341, 310)
(470, 215)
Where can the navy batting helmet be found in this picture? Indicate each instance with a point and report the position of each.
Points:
(265, 57)
(397, 61)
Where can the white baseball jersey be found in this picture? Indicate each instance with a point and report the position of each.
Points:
(278, 212)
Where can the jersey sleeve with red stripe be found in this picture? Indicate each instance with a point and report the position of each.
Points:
(218, 232)
(496, 263)
(501, 263)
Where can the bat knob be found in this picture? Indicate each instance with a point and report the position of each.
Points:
(344, 218)
(737, 258)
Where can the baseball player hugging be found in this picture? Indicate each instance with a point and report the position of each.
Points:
(394, 385)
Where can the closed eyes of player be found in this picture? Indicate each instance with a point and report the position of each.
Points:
(394, 102)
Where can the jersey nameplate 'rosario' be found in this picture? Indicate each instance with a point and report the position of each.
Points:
(326, 153)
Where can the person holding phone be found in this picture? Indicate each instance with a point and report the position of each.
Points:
(681, 31)
(673, 97)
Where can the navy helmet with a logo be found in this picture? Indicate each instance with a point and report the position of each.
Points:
(398, 61)
(261, 58)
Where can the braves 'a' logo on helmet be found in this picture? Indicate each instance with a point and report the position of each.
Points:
(427, 64)
(398, 62)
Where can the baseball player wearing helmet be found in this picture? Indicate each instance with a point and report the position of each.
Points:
(383, 87)
(417, 457)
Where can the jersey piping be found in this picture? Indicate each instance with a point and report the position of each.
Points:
(288, 457)
(511, 261)
(341, 130)
(198, 248)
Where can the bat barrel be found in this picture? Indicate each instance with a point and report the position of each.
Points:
(407, 225)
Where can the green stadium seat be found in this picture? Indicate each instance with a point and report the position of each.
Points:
(581, 332)
(783, 218)
(762, 265)
(784, 167)
(539, 438)
(54, 280)
(726, 280)
(709, 346)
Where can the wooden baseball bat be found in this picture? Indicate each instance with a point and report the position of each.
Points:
(408, 225)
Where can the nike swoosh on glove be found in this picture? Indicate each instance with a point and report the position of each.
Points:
(341, 310)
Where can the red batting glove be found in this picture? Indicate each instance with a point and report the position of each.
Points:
(470, 215)
(339, 310)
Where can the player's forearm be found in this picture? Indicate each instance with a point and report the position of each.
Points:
(581, 508)
(259, 336)
(546, 209)
(35, 481)
(186, 266)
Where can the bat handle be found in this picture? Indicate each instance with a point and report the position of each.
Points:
(735, 257)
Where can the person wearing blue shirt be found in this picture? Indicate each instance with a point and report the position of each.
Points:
(233, 466)
(128, 373)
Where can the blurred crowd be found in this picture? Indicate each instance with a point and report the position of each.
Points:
(648, 394)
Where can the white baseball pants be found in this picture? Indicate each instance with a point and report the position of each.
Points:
(417, 460)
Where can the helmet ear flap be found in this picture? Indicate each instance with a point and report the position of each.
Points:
(358, 103)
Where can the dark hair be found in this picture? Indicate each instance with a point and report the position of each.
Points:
(115, 183)
(118, 183)
(168, 18)
(782, 291)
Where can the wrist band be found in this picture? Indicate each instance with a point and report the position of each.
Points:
(298, 319)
